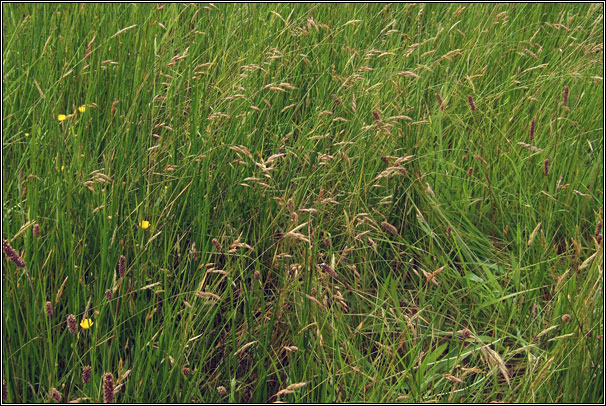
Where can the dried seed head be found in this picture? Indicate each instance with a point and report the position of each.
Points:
(472, 106)
(72, 324)
(256, 276)
(389, 228)
(565, 101)
(466, 333)
(36, 230)
(186, 371)
(12, 254)
(565, 318)
(48, 307)
(122, 266)
(470, 172)
(222, 391)
(546, 167)
(55, 395)
(108, 294)
(532, 130)
(598, 228)
(4, 391)
(108, 388)
(86, 372)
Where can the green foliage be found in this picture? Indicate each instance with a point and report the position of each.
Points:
(329, 218)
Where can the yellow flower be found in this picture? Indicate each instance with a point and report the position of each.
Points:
(82, 109)
(86, 324)
(62, 168)
(144, 224)
(27, 134)
(61, 117)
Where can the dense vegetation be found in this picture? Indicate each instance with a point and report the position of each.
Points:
(302, 202)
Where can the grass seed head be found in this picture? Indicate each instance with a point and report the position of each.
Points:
(36, 230)
(472, 106)
(108, 388)
(221, 390)
(547, 167)
(440, 101)
(565, 101)
(532, 130)
(48, 307)
(72, 324)
(55, 395)
(122, 266)
(86, 372)
(12, 254)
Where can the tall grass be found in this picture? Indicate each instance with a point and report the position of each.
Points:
(303, 202)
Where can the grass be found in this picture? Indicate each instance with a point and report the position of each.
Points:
(345, 202)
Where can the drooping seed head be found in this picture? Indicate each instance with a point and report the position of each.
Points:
(86, 372)
(72, 324)
(12, 254)
(108, 388)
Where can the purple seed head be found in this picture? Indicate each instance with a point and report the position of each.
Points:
(532, 130)
(440, 101)
(48, 307)
(470, 172)
(108, 294)
(546, 167)
(565, 102)
(108, 388)
(122, 266)
(36, 230)
(472, 106)
(12, 254)
(375, 114)
(86, 372)
(72, 324)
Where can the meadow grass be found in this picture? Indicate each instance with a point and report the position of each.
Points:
(303, 202)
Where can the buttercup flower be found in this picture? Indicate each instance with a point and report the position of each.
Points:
(86, 324)
(61, 117)
(82, 109)
(144, 224)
